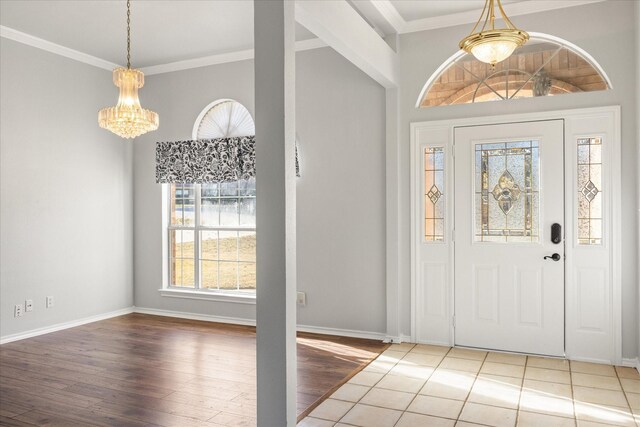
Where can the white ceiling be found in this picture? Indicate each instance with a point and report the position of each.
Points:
(176, 30)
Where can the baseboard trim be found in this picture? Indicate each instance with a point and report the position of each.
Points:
(65, 325)
(192, 316)
(631, 362)
(250, 322)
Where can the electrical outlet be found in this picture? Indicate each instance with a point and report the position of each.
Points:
(28, 305)
(49, 301)
(18, 311)
(301, 298)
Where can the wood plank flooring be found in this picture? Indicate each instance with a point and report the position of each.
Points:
(142, 370)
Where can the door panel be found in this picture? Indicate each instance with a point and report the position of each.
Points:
(509, 192)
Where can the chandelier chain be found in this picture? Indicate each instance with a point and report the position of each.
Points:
(128, 34)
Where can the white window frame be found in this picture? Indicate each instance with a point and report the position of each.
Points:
(168, 289)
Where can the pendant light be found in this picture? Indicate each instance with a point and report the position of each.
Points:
(491, 45)
(128, 119)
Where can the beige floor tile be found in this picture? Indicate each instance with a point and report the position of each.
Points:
(387, 398)
(411, 370)
(391, 356)
(496, 391)
(593, 368)
(423, 359)
(596, 381)
(508, 358)
(503, 369)
(630, 385)
(366, 378)
(409, 419)
(532, 419)
(371, 416)
(400, 383)
(315, 422)
(404, 347)
(549, 375)
(550, 389)
(449, 384)
(350, 392)
(604, 414)
(488, 415)
(634, 400)
(466, 424)
(430, 349)
(465, 365)
(466, 353)
(599, 396)
(436, 406)
(546, 403)
(331, 409)
(379, 366)
(548, 363)
(626, 372)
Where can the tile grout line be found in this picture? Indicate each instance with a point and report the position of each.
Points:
(524, 372)
(471, 388)
(573, 399)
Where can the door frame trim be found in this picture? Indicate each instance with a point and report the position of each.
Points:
(614, 245)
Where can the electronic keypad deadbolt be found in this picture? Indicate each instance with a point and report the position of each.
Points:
(556, 233)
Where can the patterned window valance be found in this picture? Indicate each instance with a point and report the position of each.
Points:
(207, 160)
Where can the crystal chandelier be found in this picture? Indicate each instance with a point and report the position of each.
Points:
(128, 119)
(491, 45)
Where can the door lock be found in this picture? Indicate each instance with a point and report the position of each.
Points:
(555, 257)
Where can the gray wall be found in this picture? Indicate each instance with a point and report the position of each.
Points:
(606, 31)
(66, 190)
(340, 196)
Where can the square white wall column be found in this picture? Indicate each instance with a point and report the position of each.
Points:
(274, 35)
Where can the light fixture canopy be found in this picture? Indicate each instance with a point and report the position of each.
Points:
(128, 119)
(492, 45)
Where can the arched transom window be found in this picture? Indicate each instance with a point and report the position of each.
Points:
(545, 66)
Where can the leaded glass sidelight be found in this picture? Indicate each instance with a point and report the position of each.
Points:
(589, 191)
(434, 199)
(507, 191)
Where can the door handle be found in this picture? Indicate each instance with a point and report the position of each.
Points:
(555, 257)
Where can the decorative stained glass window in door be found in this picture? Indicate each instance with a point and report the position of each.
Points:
(590, 191)
(507, 187)
(434, 199)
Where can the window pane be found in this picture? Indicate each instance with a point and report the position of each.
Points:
(229, 188)
(210, 190)
(209, 245)
(209, 211)
(228, 275)
(506, 192)
(248, 211)
(434, 200)
(247, 187)
(228, 244)
(589, 191)
(229, 211)
(209, 272)
(247, 275)
(247, 246)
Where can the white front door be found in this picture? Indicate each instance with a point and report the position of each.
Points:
(509, 274)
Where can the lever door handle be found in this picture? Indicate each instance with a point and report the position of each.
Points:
(555, 257)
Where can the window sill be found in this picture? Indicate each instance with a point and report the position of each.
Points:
(209, 296)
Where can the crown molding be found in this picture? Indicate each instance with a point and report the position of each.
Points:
(470, 17)
(221, 58)
(28, 39)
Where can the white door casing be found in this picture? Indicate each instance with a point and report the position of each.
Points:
(593, 308)
(509, 192)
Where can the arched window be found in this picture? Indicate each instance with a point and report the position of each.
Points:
(544, 66)
(224, 118)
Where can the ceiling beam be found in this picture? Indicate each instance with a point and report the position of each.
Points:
(390, 14)
(342, 28)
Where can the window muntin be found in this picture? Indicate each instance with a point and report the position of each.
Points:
(544, 66)
(507, 189)
(589, 191)
(212, 236)
(434, 197)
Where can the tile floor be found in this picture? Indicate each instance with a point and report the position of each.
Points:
(423, 385)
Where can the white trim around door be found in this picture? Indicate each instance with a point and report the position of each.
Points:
(593, 302)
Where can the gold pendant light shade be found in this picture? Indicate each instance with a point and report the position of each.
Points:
(491, 45)
(128, 119)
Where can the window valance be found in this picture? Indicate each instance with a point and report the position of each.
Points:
(207, 160)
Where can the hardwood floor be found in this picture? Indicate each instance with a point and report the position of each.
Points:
(142, 370)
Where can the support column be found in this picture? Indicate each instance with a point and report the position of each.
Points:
(274, 28)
